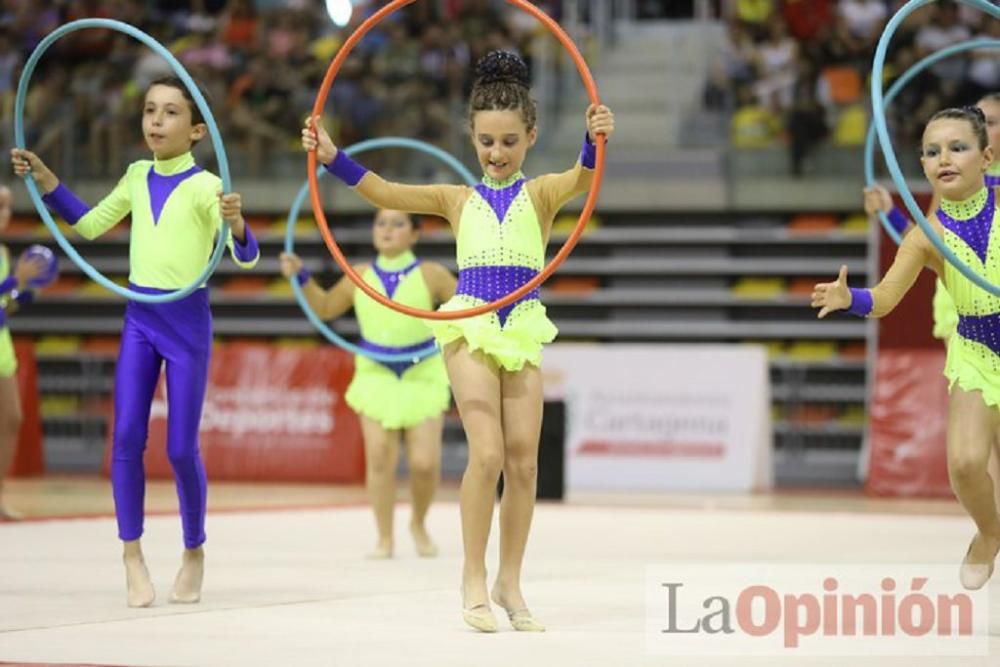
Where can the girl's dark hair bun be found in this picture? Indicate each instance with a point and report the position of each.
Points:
(975, 111)
(502, 67)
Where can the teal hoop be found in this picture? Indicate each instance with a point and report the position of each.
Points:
(894, 90)
(885, 141)
(293, 216)
(36, 198)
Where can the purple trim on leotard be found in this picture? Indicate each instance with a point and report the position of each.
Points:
(490, 283)
(992, 180)
(397, 367)
(500, 199)
(160, 188)
(64, 201)
(391, 279)
(984, 329)
(976, 230)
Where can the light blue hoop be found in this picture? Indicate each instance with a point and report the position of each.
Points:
(213, 131)
(293, 216)
(885, 141)
(891, 94)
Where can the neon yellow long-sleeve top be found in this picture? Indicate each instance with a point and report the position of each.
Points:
(175, 219)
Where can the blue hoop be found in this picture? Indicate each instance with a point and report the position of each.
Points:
(293, 216)
(891, 94)
(885, 141)
(213, 131)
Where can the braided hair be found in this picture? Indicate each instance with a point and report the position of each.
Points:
(502, 84)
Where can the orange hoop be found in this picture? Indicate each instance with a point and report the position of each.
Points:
(588, 206)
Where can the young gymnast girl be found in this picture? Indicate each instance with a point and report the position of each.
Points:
(177, 210)
(877, 198)
(397, 400)
(14, 292)
(501, 227)
(955, 156)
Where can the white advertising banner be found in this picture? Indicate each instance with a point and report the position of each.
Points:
(663, 417)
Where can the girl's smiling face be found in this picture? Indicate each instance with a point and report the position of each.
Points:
(502, 141)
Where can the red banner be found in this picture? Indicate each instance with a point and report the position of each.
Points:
(28, 457)
(909, 423)
(271, 414)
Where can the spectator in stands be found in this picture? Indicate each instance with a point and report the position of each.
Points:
(864, 18)
(238, 27)
(984, 67)
(754, 125)
(755, 15)
(806, 123)
(942, 31)
(256, 105)
(807, 18)
(776, 60)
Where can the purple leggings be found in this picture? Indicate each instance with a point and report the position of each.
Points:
(180, 333)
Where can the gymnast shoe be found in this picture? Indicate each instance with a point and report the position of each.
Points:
(520, 619)
(975, 575)
(7, 514)
(480, 617)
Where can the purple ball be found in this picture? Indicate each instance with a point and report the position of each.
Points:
(51, 263)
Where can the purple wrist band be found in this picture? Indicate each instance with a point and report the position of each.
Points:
(861, 302)
(898, 219)
(588, 154)
(346, 169)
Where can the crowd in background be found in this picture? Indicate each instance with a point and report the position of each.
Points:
(261, 63)
(796, 72)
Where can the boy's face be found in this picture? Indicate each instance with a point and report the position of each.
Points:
(166, 123)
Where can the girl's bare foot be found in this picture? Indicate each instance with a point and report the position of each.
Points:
(382, 550)
(423, 542)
